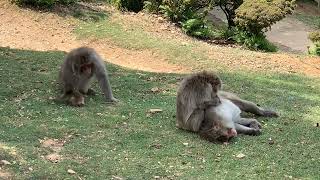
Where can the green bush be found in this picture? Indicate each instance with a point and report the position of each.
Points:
(314, 36)
(255, 15)
(43, 3)
(152, 6)
(252, 41)
(129, 5)
(315, 49)
(197, 27)
(179, 10)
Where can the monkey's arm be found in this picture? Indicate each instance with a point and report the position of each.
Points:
(241, 129)
(106, 88)
(103, 79)
(208, 103)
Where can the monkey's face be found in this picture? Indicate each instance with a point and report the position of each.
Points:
(223, 132)
(86, 69)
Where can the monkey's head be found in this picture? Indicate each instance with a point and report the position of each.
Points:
(76, 100)
(212, 79)
(219, 132)
(86, 69)
(224, 131)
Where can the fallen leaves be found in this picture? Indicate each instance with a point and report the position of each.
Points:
(70, 171)
(54, 157)
(270, 141)
(5, 162)
(153, 111)
(240, 156)
(54, 145)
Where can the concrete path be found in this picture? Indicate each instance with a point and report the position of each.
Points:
(289, 34)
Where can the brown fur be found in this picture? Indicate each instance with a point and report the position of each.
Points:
(198, 99)
(195, 93)
(77, 71)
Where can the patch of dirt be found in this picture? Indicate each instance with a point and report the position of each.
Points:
(31, 30)
(4, 174)
(54, 145)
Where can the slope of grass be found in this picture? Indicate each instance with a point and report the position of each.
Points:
(122, 140)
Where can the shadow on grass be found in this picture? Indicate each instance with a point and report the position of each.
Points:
(89, 12)
(125, 140)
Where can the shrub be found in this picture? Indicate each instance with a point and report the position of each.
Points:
(252, 41)
(198, 27)
(152, 6)
(315, 49)
(43, 3)
(129, 5)
(182, 10)
(178, 10)
(314, 36)
(255, 15)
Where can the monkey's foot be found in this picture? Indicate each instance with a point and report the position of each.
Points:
(112, 100)
(255, 125)
(91, 92)
(269, 113)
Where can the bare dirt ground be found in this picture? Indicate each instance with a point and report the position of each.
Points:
(30, 30)
(45, 31)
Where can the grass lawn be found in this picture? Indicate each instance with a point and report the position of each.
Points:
(103, 141)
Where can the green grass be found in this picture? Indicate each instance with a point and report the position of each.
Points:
(120, 141)
(312, 21)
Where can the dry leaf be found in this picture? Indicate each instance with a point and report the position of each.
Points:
(240, 156)
(270, 141)
(54, 157)
(155, 90)
(186, 144)
(117, 177)
(4, 162)
(70, 171)
(153, 111)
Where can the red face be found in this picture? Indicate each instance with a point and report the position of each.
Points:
(223, 134)
(86, 69)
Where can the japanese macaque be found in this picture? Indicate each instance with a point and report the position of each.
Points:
(214, 114)
(76, 73)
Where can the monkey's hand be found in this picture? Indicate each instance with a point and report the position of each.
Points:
(112, 100)
(255, 125)
(269, 113)
(214, 102)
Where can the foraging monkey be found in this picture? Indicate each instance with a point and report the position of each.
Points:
(77, 71)
(214, 114)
